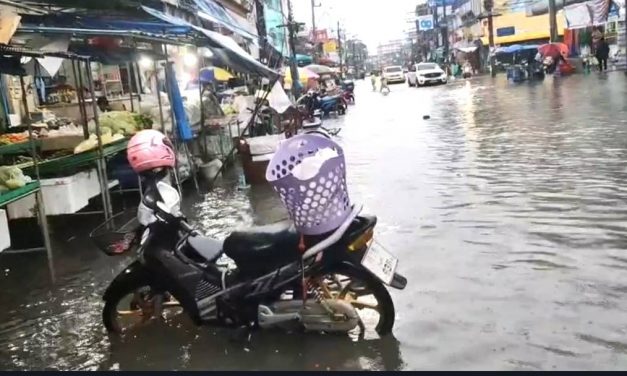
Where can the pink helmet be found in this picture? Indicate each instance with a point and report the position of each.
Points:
(149, 149)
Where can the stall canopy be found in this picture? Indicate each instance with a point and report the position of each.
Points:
(225, 50)
(214, 12)
(168, 30)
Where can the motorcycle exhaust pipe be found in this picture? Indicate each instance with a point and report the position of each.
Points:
(267, 318)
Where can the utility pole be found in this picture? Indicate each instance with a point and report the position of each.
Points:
(339, 49)
(354, 57)
(313, 28)
(489, 5)
(292, 28)
(553, 20)
(445, 31)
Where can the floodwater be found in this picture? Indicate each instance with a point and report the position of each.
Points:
(507, 209)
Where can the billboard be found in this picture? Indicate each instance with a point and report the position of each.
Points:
(330, 46)
(276, 32)
(425, 22)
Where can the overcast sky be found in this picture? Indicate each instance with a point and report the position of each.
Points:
(373, 21)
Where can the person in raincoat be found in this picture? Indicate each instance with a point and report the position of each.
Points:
(602, 53)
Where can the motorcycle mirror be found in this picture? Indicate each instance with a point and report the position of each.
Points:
(149, 200)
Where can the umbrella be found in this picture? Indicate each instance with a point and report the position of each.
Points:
(210, 74)
(221, 74)
(553, 50)
(304, 75)
(319, 69)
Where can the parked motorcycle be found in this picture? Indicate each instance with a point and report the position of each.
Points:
(333, 282)
(324, 103)
(348, 87)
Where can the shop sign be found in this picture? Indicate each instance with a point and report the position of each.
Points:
(425, 22)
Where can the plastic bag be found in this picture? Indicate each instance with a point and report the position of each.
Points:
(310, 167)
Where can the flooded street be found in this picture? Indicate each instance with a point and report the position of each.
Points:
(507, 209)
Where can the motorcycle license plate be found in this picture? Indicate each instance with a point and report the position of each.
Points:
(380, 262)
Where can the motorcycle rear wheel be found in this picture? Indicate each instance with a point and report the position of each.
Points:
(365, 293)
(134, 304)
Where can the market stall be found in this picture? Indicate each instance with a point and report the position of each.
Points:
(14, 185)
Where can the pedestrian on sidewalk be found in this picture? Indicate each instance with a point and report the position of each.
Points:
(602, 53)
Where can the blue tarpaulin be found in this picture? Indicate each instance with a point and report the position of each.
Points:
(182, 123)
(71, 22)
(214, 12)
(225, 50)
(516, 48)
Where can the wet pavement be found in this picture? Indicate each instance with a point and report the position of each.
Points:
(507, 209)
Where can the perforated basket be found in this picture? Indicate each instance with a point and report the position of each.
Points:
(316, 205)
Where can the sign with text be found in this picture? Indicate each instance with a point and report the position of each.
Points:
(320, 36)
(425, 22)
(330, 46)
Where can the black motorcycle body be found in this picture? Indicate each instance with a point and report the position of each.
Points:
(173, 260)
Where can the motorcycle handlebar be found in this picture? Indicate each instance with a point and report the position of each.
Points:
(187, 227)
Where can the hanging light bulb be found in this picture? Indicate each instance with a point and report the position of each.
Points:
(190, 59)
(145, 62)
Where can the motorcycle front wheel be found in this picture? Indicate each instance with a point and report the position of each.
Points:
(134, 304)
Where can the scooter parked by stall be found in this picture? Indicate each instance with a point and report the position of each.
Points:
(321, 272)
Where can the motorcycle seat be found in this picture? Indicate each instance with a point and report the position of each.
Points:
(259, 249)
(210, 249)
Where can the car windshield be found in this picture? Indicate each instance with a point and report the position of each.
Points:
(393, 69)
(427, 66)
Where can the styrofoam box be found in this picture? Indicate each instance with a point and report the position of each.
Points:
(5, 237)
(61, 196)
(89, 182)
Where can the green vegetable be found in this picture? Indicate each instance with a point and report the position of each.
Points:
(14, 183)
(12, 177)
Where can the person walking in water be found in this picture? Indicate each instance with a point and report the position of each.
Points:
(602, 53)
(373, 81)
(384, 84)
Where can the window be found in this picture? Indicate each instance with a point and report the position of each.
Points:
(393, 69)
(505, 31)
(426, 66)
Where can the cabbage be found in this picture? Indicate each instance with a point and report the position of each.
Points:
(123, 122)
(14, 183)
(12, 177)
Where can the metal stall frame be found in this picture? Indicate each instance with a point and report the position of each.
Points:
(36, 190)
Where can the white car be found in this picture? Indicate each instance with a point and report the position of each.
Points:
(426, 73)
(393, 74)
